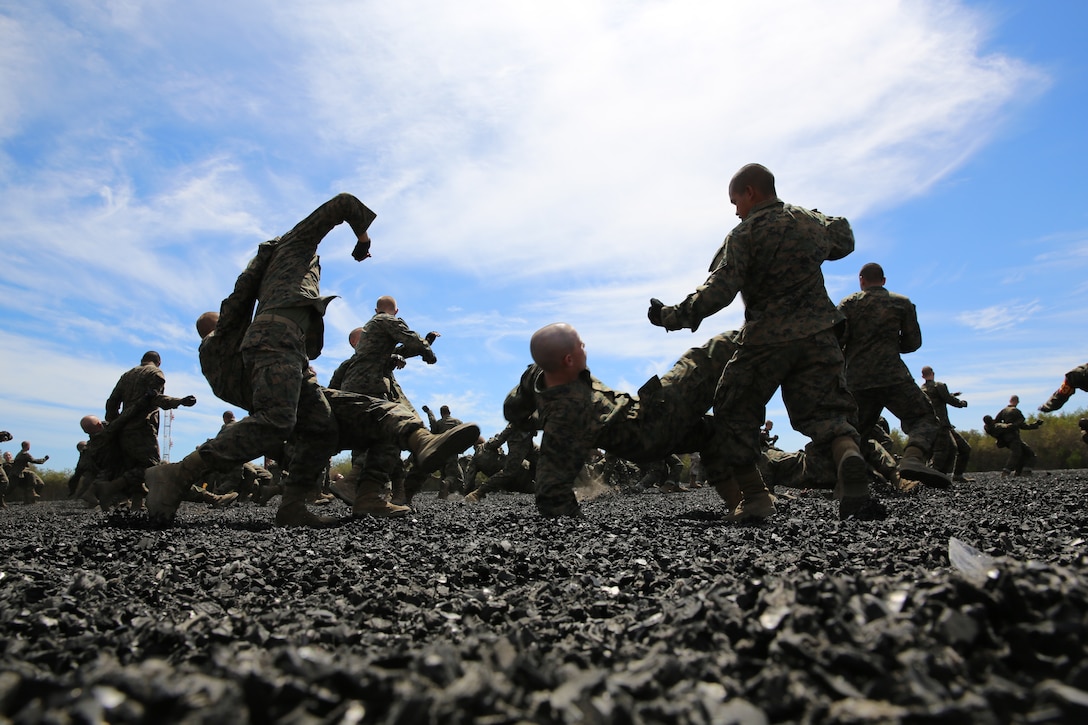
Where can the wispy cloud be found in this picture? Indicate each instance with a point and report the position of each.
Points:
(1000, 317)
(528, 163)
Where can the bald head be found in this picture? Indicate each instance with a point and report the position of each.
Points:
(1014, 400)
(353, 337)
(151, 357)
(927, 373)
(551, 346)
(756, 176)
(205, 324)
(90, 424)
(386, 304)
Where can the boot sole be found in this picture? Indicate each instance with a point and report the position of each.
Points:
(924, 475)
(457, 440)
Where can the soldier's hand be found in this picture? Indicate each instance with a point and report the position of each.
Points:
(362, 248)
(425, 409)
(189, 401)
(654, 313)
(45, 458)
(431, 337)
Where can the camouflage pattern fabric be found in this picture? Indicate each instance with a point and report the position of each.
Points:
(369, 369)
(292, 276)
(880, 325)
(1075, 379)
(773, 259)
(940, 398)
(287, 404)
(809, 372)
(585, 414)
(521, 457)
(1009, 422)
(950, 451)
(452, 475)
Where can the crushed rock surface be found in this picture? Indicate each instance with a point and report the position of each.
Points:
(651, 608)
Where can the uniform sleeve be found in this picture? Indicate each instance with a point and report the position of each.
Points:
(341, 208)
(910, 334)
(411, 344)
(113, 403)
(564, 447)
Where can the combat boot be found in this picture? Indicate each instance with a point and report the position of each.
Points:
(344, 489)
(267, 492)
(371, 502)
(110, 493)
(475, 496)
(413, 484)
(136, 503)
(730, 493)
(167, 484)
(217, 501)
(431, 450)
(444, 489)
(913, 466)
(852, 484)
(397, 496)
(293, 512)
(756, 500)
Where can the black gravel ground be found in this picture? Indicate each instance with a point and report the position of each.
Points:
(649, 609)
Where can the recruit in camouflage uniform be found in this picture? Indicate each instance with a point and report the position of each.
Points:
(4, 438)
(452, 475)
(951, 451)
(23, 477)
(880, 326)
(137, 439)
(773, 259)
(1008, 423)
(518, 465)
(384, 342)
(487, 458)
(286, 332)
(584, 415)
(369, 370)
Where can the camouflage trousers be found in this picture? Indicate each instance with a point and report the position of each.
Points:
(809, 372)
(905, 401)
(668, 417)
(951, 452)
(287, 403)
(376, 431)
(1021, 456)
(137, 450)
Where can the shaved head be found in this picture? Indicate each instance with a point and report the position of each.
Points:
(756, 176)
(386, 304)
(550, 344)
(205, 324)
(353, 337)
(90, 424)
(872, 272)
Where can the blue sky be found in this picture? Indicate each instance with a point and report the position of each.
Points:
(529, 163)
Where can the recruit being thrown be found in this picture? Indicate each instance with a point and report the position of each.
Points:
(773, 259)
(579, 414)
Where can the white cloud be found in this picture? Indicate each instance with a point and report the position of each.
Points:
(999, 317)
